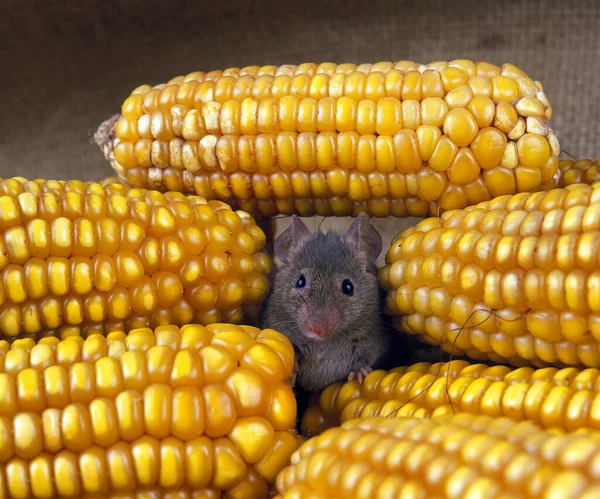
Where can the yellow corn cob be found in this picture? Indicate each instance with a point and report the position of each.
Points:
(565, 399)
(455, 456)
(197, 409)
(569, 172)
(386, 139)
(104, 258)
(511, 279)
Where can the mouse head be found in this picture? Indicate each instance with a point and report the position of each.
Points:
(328, 280)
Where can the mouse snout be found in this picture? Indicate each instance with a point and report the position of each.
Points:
(316, 329)
(319, 324)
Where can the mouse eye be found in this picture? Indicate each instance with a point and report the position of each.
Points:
(301, 282)
(347, 287)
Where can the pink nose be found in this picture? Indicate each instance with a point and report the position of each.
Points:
(315, 329)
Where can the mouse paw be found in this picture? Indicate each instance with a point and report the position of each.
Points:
(360, 375)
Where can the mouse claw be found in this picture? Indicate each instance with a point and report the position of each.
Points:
(292, 378)
(360, 375)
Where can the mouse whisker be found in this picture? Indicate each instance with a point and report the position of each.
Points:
(281, 323)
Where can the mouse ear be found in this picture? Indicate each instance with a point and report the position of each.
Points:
(363, 235)
(291, 238)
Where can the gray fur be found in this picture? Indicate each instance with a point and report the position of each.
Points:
(327, 259)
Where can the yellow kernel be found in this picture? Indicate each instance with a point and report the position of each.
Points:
(27, 428)
(221, 407)
(229, 467)
(533, 150)
(406, 148)
(433, 111)
(346, 113)
(76, 427)
(504, 89)
(489, 146)
(389, 116)
(16, 245)
(412, 86)
(253, 437)
(459, 97)
(188, 413)
(453, 77)
(248, 390)
(443, 154)
(158, 410)
(460, 127)
(506, 117)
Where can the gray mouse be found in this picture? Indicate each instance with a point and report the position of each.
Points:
(325, 299)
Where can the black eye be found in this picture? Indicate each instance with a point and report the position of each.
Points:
(301, 282)
(347, 287)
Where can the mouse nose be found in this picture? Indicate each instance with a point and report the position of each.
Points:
(316, 329)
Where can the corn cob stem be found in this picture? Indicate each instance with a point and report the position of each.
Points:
(197, 409)
(387, 139)
(78, 256)
(454, 456)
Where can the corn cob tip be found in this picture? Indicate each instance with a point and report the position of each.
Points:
(106, 134)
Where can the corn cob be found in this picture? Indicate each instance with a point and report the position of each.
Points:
(104, 258)
(565, 399)
(582, 171)
(386, 139)
(455, 456)
(512, 279)
(201, 409)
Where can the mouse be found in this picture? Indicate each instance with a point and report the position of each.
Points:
(326, 299)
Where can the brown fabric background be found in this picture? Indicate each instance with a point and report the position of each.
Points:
(68, 65)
